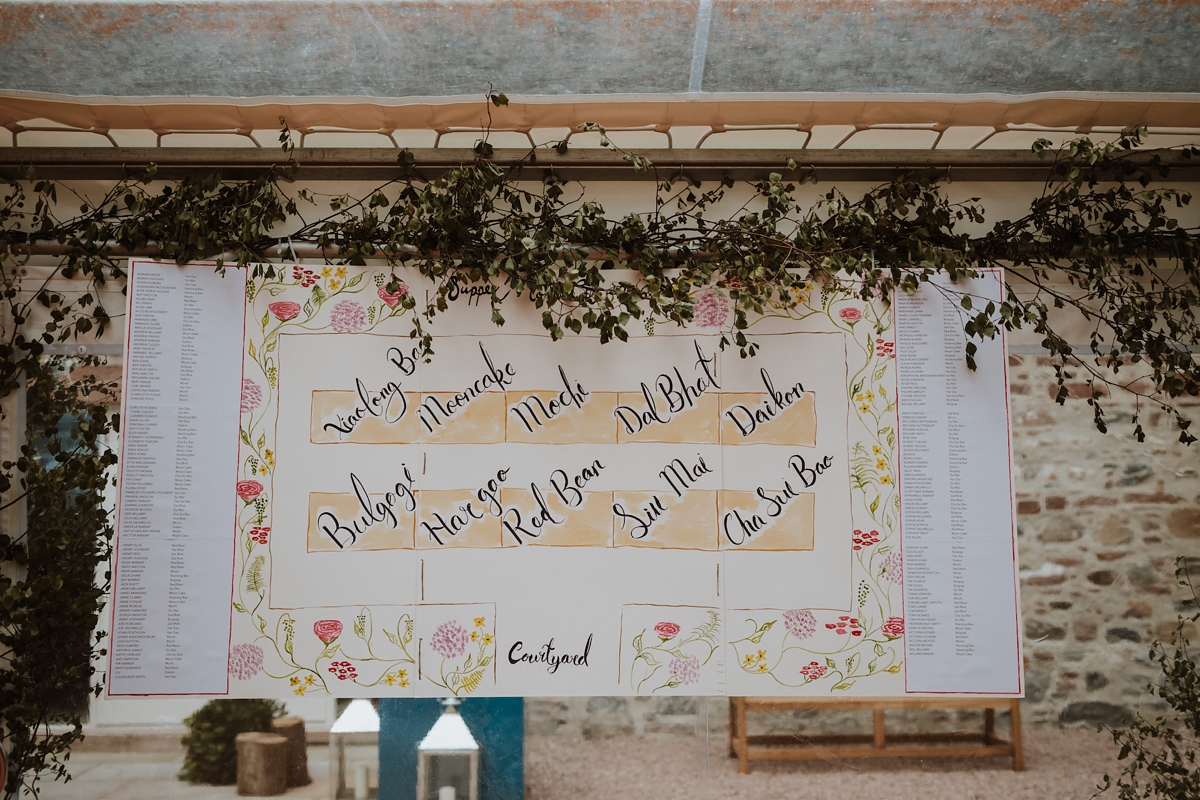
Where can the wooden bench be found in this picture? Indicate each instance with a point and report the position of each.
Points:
(880, 744)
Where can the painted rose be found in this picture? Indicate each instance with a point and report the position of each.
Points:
(711, 309)
(284, 310)
(449, 640)
(666, 630)
(347, 317)
(685, 670)
(251, 395)
(850, 314)
(893, 628)
(245, 660)
(248, 490)
(392, 298)
(327, 629)
(800, 623)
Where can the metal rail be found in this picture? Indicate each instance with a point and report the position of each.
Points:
(696, 166)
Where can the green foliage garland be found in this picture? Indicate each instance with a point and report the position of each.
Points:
(1131, 269)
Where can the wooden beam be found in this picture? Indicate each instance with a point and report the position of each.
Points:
(705, 166)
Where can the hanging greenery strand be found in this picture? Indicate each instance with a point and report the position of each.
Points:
(1096, 241)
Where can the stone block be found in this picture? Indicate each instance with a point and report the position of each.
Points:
(1114, 635)
(1061, 528)
(1037, 683)
(1140, 610)
(1029, 507)
(1184, 523)
(1094, 712)
(1143, 575)
(1037, 629)
(1113, 531)
(1096, 681)
(1084, 629)
(1102, 577)
(675, 705)
(1056, 503)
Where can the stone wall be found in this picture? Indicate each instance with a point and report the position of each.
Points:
(1101, 519)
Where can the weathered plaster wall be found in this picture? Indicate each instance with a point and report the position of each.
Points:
(456, 47)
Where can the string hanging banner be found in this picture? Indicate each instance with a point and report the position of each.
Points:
(310, 505)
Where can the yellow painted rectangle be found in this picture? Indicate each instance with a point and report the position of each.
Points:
(457, 518)
(339, 514)
(529, 419)
(336, 407)
(747, 522)
(752, 418)
(589, 524)
(665, 520)
(479, 421)
(699, 424)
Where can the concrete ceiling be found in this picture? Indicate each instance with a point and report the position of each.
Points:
(314, 48)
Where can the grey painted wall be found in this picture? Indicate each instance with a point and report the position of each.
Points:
(455, 47)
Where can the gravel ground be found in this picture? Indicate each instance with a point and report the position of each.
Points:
(1060, 765)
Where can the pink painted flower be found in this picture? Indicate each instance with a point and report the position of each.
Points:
(245, 660)
(892, 568)
(850, 314)
(666, 630)
(893, 628)
(248, 490)
(284, 310)
(811, 671)
(449, 640)
(712, 309)
(327, 629)
(800, 623)
(347, 317)
(392, 299)
(685, 670)
(251, 395)
(845, 626)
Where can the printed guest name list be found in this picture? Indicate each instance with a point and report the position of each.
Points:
(956, 518)
(178, 505)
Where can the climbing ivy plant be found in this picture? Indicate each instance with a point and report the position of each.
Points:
(1099, 240)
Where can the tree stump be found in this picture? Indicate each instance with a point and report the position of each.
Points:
(292, 728)
(262, 764)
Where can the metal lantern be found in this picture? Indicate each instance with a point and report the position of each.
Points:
(356, 729)
(448, 759)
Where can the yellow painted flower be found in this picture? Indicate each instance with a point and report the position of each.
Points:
(749, 662)
(340, 272)
(334, 285)
(762, 655)
(299, 690)
(403, 682)
(402, 674)
(474, 635)
(389, 679)
(480, 622)
(262, 469)
(880, 464)
(876, 449)
(270, 457)
(886, 479)
(309, 680)
(295, 681)
(870, 394)
(859, 397)
(762, 667)
(487, 639)
(326, 272)
(864, 408)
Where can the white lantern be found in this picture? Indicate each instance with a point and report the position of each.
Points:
(448, 759)
(356, 729)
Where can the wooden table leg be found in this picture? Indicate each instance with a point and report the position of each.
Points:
(1018, 756)
(989, 725)
(732, 728)
(743, 744)
(880, 732)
